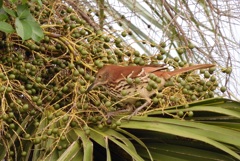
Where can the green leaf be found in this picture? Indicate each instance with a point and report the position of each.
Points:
(3, 151)
(52, 156)
(87, 144)
(38, 1)
(121, 137)
(214, 132)
(70, 152)
(24, 1)
(13, 1)
(103, 137)
(175, 152)
(6, 27)
(3, 17)
(30, 18)
(37, 32)
(23, 11)
(24, 29)
(174, 130)
(138, 140)
(134, 155)
(100, 139)
(10, 12)
(1, 3)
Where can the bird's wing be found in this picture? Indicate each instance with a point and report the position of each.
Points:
(152, 69)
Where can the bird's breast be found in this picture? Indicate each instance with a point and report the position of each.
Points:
(131, 92)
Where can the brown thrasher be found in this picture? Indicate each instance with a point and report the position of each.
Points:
(114, 79)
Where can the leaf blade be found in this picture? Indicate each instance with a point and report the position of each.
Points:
(24, 29)
(6, 27)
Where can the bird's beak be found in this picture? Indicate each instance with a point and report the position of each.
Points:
(94, 85)
(91, 87)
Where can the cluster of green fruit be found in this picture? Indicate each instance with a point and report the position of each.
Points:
(43, 84)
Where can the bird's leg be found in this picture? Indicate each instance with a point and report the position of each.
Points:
(148, 102)
(110, 114)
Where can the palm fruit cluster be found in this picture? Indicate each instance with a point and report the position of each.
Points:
(43, 84)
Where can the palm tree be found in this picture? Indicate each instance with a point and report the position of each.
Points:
(46, 113)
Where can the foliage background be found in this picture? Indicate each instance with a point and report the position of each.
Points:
(42, 118)
(210, 25)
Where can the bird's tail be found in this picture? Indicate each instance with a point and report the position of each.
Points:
(169, 74)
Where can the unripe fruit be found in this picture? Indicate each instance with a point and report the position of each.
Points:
(190, 114)
(206, 74)
(118, 123)
(180, 50)
(75, 73)
(100, 126)
(228, 70)
(137, 60)
(172, 98)
(211, 70)
(223, 89)
(191, 46)
(137, 80)
(176, 59)
(124, 92)
(25, 107)
(162, 44)
(11, 76)
(129, 81)
(149, 88)
(180, 113)
(213, 78)
(12, 126)
(155, 100)
(24, 153)
(190, 79)
(124, 34)
(160, 57)
(181, 64)
(108, 103)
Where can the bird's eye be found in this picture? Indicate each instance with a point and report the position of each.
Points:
(100, 76)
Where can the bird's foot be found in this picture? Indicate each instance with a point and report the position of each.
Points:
(138, 109)
(114, 113)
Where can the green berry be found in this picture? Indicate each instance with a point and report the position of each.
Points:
(190, 114)
(206, 74)
(160, 95)
(172, 98)
(12, 126)
(11, 76)
(190, 79)
(158, 80)
(180, 113)
(211, 70)
(149, 88)
(191, 46)
(137, 80)
(155, 100)
(24, 153)
(124, 34)
(129, 81)
(223, 89)
(124, 92)
(228, 70)
(75, 73)
(25, 107)
(108, 103)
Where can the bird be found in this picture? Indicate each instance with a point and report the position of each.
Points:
(116, 78)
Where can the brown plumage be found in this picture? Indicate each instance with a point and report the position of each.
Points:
(113, 78)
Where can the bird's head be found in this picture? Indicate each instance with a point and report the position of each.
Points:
(102, 78)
